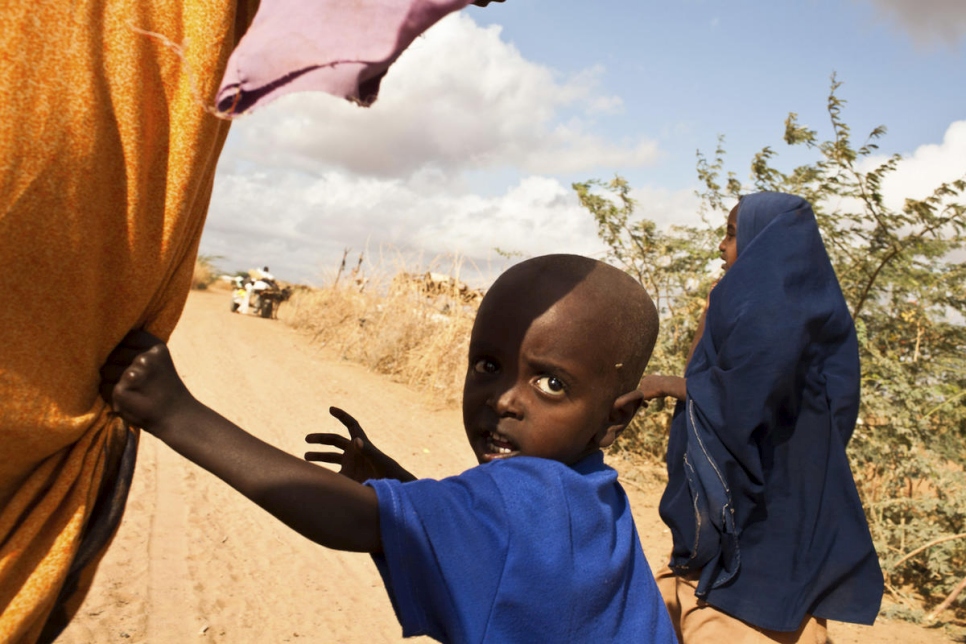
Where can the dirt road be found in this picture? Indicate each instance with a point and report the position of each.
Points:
(195, 562)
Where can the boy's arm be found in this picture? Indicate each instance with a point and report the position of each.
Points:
(360, 460)
(141, 382)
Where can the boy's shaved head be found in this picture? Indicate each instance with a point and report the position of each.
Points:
(610, 305)
(555, 359)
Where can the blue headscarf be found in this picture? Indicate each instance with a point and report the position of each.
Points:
(760, 500)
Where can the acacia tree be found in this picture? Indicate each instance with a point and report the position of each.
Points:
(902, 274)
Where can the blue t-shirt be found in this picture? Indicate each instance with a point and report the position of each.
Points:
(520, 550)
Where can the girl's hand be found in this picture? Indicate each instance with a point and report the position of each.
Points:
(658, 386)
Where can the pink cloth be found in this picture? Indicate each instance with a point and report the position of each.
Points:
(343, 47)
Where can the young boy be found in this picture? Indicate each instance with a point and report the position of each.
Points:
(769, 536)
(535, 544)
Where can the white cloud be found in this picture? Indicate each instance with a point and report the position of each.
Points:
(300, 225)
(927, 20)
(669, 207)
(535, 217)
(311, 175)
(921, 172)
(458, 99)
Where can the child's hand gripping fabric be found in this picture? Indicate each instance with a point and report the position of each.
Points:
(360, 460)
(141, 383)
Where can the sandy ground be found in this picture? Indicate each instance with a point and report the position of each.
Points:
(194, 561)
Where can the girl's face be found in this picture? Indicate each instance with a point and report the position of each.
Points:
(729, 245)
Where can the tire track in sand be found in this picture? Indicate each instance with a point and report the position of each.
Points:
(171, 615)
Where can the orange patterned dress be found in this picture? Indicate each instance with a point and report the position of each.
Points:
(108, 160)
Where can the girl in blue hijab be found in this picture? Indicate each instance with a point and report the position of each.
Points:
(769, 533)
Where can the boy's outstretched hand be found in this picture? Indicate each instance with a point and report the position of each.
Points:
(360, 460)
(141, 384)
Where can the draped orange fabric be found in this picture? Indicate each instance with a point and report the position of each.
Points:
(108, 160)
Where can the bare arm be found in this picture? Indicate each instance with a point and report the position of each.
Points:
(330, 509)
(658, 386)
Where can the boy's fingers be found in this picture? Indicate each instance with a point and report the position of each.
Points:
(355, 430)
(130, 376)
(323, 457)
(335, 440)
(124, 354)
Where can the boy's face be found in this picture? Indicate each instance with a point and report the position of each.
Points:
(729, 245)
(539, 383)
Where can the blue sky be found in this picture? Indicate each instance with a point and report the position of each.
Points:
(483, 124)
(686, 71)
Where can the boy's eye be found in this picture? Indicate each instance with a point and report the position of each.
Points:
(550, 385)
(485, 365)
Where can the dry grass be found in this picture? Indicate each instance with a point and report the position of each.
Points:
(414, 339)
(204, 273)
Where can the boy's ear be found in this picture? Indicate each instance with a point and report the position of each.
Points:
(621, 414)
